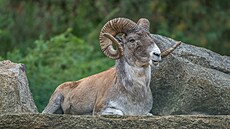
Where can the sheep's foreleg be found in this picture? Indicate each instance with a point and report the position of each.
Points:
(112, 111)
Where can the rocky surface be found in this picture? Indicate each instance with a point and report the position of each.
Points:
(41, 121)
(15, 95)
(192, 80)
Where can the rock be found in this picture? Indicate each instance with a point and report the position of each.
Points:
(48, 121)
(192, 80)
(15, 95)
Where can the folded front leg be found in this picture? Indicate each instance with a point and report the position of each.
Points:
(149, 114)
(112, 111)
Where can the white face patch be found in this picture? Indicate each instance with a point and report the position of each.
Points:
(155, 56)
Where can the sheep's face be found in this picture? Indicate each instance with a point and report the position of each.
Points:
(140, 49)
(136, 46)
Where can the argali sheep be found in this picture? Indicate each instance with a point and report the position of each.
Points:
(123, 89)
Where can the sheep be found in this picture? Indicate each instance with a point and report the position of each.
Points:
(123, 89)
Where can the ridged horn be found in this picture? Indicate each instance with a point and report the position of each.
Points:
(111, 29)
(170, 50)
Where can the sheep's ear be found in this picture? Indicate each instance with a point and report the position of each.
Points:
(144, 23)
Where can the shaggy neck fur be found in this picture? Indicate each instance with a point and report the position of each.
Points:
(133, 79)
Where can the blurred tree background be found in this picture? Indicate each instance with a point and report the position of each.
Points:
(57, 40)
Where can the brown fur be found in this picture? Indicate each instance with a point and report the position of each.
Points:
(81, 94)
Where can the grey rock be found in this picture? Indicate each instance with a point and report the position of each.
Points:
(52, 121)
(15, 95)
(192, 80)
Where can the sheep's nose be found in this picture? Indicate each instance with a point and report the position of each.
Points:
(157, 54)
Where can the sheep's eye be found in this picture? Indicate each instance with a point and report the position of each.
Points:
(131, 40)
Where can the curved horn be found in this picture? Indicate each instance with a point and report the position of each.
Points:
(169, 50)
(111, 29)
(144, 23)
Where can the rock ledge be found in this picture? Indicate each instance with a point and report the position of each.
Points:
(47, 121)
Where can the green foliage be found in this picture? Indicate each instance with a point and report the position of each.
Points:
(203, 23)
(62, 58)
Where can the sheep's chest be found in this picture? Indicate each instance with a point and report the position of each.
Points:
(131, 94)
(133, 104)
